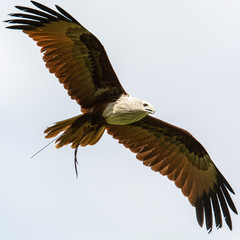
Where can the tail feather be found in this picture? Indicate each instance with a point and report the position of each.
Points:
(77, 130)
(92, 137)
(86, 139)
(97, 136)
(58, 127)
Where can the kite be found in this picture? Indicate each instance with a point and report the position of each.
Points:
(80, 62)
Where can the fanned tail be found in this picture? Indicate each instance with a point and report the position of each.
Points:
(79, 131)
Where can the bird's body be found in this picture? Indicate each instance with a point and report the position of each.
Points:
(79, 61)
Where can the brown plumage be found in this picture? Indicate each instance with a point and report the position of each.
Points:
(174, 152)
(79, 61)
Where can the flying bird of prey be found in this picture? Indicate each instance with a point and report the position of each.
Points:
(79, 61)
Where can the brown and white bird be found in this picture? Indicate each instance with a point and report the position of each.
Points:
(79, 61)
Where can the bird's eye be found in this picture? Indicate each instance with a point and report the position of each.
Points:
(145, 104)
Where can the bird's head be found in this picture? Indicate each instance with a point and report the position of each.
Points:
(148, 107)
(126, 110)
(141, 105)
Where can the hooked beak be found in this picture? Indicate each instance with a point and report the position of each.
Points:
(150, 109)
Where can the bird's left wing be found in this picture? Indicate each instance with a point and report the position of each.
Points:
(76, 56)
(176, 153)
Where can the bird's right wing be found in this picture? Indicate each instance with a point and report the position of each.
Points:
(70, 51)
(176, 153)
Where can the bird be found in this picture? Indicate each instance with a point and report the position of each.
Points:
(80, 62)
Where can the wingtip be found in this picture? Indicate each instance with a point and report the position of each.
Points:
(209, 230)
(20, 8)
(37, 4)
(34, 2)
(219, 226)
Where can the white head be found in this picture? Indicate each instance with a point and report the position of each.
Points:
(127, 110)
(139, 105)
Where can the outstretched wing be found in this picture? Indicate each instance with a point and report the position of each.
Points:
(176, 153)
(70, 51)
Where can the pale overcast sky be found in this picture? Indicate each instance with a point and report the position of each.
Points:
(184, 58)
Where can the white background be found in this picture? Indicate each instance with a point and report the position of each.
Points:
(184, 58)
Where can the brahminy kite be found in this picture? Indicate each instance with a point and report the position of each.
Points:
(79, 61)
